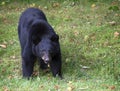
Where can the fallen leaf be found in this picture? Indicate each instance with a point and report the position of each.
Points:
(10, 76)
(3, 45)
(45, 7)
(32, 5)
(76, 33)
(73, 3)
(106, 43)
(69, 89)
(83, 89)
(41, 86)
(109, 87)
(67, 18)
(93, 37)
(116, 34)
(116, 14)
(93, 5)
(112, 23)
(13, 57)
(114, 3)
(70, 86)
(85, 67)
(67, 60)
(112, 87)
(5, 88)
(70, 82)
(56, 4)
(104, 85)
(56, 87)
(86, 37)
(11, 42)
(3, 70)
(35, 73)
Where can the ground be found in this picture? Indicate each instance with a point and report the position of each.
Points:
(89, 36)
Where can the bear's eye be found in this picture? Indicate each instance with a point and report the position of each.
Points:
(55, 38)
(35, 39)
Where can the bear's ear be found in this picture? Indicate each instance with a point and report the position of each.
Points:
(37, 30)
(39, 26)
(55, 38)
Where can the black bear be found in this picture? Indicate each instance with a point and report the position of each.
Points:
(38, 41)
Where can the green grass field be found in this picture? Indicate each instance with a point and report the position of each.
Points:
(89, 33)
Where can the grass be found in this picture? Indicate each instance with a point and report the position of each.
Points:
(90, 49)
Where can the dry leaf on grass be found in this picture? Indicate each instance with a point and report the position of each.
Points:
(70, 86)
(13, 57)
(93, 5)
(116, 34)
(3, 45)
(69, 89)
(56, 4)
(57, 87)
(112, 23)
(5, 88)
(112, 87)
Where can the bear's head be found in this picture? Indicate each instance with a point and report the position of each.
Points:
(45, 41)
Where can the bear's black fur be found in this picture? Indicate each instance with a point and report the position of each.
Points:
(38, 41)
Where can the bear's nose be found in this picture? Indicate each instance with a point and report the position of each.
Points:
(46, 59)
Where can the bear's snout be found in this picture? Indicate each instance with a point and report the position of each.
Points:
(46, 57)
